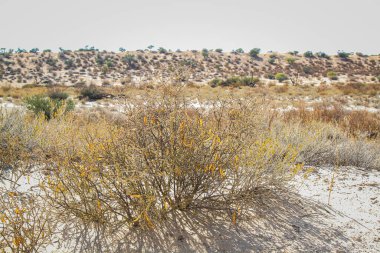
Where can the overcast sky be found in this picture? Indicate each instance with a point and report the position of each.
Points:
(277, 25)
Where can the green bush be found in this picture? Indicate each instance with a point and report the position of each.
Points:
(343, 55)
(131, 61)
(291, 60)
(238, 51)
(34, 50)
(254, 52)
(235, 81)
(162, 50)
(322, 55)
(308, 54)
(205, 52)
(215, 82)
(49, 108)
(249, 81)
(281, 77)
(92, 93)
(332, 75)
(272, 61)
(219, 50)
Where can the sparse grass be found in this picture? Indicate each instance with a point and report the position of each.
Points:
(355, 123)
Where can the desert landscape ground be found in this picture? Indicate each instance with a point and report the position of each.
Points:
(189, 151)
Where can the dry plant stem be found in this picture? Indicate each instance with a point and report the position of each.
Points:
(335, 170)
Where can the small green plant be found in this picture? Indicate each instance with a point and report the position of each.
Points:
(254, 52)
(272, 61)
(49, 108)
(281, 77)
(291, 60)
(215, 82)
(219, 50)
(332, 75)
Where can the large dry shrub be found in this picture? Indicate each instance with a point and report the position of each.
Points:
(25, 223)
(165, 155)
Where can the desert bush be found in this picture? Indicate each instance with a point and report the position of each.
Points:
(322, 55)
(360, 54)
(16, 143)
(355, 123)
(343, 55)
(324, 143)
(92, 92)
(162, 50)
(254, 52)
(205, 53)
(332, 75)
(34, 50)
(272, 61)
(130, 59)
(308, 54)
(219, 50)
(215, 82)
(25, 225)
(58, 95)
(49, 108)
(165, 156)
(238, 51)
(360, 88)
(290, 60)
(281, 77)
(235, 81)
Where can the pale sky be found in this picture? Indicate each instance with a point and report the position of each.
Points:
(277, 25)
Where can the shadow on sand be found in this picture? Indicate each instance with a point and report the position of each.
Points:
(278, 224)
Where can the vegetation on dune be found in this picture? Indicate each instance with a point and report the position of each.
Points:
(92, 93)
(49, 107)
(235, 81)
(281, 77)
(254, 52)
(161, 156)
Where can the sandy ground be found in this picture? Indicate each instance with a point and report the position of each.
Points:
(299, 222)
(302, 221)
